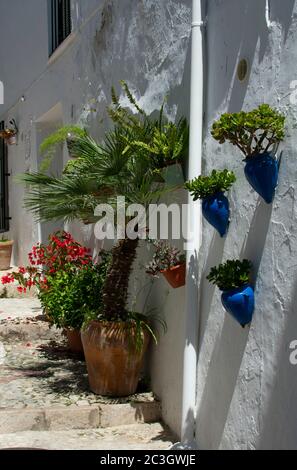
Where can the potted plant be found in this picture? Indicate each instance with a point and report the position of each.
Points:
(169, 148)
(73, 296)
(61, 270)
(233, 278)
(5, 253)
(257, 134)
(116, 341)
(168, 261)
(10, 134)
(168, 143)
(215, 205)
(66, 134)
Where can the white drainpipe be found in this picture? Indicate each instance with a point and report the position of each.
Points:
(194, 228)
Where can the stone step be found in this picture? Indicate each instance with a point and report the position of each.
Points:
(44, 387)
(133, 437)
(23, 320)
(78, 417)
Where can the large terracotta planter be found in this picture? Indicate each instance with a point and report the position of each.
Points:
(114, 363)
(5, 254)
(74, 341)
(176, 276)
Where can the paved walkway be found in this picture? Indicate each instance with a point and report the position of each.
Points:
(44, 388)
(133, 437)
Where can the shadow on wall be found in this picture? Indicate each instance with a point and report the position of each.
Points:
(230, 345)
(239, 39)
(220, 383)
(254, 243)
(215, 255)
(279, 423)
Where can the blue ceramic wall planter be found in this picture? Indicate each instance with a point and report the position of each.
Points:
(240, 303)
(261, 172)
(215, 209)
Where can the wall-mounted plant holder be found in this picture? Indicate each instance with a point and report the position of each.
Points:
(10, 134)
(240, 303)
(257, 134)
(215, 209)
(176, 275)
(261, 171)
(215, 205)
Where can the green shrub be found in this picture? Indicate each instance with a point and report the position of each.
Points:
(63, 134)
(204, 186)
(231, 274)
(74, 296)
(163, 142)
(253, 132)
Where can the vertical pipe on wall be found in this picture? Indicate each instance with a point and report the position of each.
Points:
(194, 230)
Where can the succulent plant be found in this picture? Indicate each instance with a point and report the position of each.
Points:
(253, 132)
(166, 256)
(204, 186)
(231, 274)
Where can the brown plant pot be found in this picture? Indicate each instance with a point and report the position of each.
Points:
(5, 255)
(74, 341)
(176, 276)
(114, 363)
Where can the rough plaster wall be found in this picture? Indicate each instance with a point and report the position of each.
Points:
(147, 44)
(246, 385)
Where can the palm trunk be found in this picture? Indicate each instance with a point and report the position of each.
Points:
(115, 289)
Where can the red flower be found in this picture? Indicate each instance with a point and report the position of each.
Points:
(8, 279)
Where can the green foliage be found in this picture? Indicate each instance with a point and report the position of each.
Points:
(123, 164)
(231, 274)
(204, 186)
(254, 132)
(63, 134)
(164, 257)
(75, 295)
(162, 142)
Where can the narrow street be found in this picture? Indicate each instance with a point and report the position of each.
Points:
(45, 400)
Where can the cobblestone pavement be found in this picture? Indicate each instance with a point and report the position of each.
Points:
(37, 368)
(45, 397)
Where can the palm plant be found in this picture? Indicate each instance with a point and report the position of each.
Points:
(99, 174)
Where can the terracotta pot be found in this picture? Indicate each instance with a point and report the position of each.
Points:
(74, 340)
(5, 255)
(176, 276)
(113, 362)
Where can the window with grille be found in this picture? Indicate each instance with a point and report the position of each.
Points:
(60, 22)
(4, 216)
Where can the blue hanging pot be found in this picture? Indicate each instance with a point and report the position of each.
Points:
(240, 303)
(261, 172)
(215, 209)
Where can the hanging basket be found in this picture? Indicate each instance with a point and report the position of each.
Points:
(215, 209)
(240, 303)
(261, 171)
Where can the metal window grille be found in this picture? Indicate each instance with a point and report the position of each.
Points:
(4, 215)
(60, 22)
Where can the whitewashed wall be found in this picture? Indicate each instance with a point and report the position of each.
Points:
(246, 385)
(143, 42)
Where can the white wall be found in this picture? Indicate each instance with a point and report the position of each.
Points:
(246, 385)
(145, 43)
